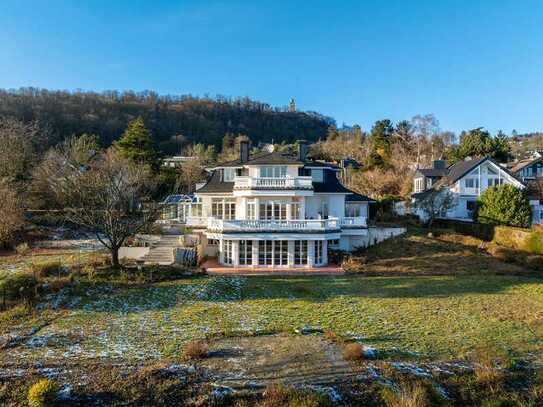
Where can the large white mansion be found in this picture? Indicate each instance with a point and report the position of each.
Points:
(275, 210)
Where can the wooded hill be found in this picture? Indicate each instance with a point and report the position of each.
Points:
(173, 120)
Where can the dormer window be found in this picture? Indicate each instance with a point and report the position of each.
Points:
(229, 174)
(278, 171)
(317, 175)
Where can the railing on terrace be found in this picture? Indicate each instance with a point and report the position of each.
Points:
(291, 224)
(246, 182)
(357, 221)
(196, 221)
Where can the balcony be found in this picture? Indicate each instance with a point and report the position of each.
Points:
(294, 225)
(359, 222)
(246, 182)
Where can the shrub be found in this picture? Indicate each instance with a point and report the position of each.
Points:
(354, 264)
(408, 394)
(353, 351)
(503, 205)
(19, 286)
(44, 393)
(12, 220)
(195, 350)
(47, 268)
(502, 253)
(278, 395)
(22, 249)
(534, 262)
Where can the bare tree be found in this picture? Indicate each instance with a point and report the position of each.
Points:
(434, 204)
(16, 148)
(109, 196)
(12, 218)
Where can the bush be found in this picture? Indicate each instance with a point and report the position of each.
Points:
(195, 350)
(502, 253)
(22, 249)
(44, 393)
(354, 264)
(19, 286)
(503, 205)
(408, 394)
(278, 395)
(353, 351)
(47, 268)
(534, 262)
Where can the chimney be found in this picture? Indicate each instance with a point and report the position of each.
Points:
(438, 164)
(303, 148)
(243, 151)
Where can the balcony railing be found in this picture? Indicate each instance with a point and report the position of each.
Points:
(257, 225)
(246, 182)
(196, 221)
(354, 222)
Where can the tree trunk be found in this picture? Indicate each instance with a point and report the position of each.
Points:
(115, 257)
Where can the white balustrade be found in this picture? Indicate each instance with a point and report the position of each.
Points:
(246, 182)
(291, 224)
(357, 221)
(196, 221)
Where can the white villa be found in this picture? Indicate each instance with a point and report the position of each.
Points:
(275, 210)
(466, 180)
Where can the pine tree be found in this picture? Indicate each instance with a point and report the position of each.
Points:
(136, 144)
(503, 205)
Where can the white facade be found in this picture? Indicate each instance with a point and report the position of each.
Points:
(270, 216)
(467, 189)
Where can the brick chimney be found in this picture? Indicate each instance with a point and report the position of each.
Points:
(438, 164)
(243, 151)
(303, 149)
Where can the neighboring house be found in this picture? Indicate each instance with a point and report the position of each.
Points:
(528, 169)
(277, 210)
(176, 161)
(466, 180)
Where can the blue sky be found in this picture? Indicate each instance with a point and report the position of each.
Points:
(470, 62)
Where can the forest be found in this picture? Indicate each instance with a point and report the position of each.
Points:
(174, 121)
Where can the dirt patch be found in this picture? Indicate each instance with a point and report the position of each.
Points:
(293, 360)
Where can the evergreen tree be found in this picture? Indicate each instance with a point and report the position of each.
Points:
(503, 205)
(380, 140)
(136, 144)
(479, 143)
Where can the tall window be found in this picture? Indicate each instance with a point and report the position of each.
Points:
(296, 209)
(229, 174)
(419, 184)
(217, 208)
(246, 252)
(318, 252)
(265, 250)
(227, 249)
(223, 208)
(352, 210)
(273, 210)
(280, 253)
(273, 172)
(300, 252)
(494, 182)
(472, 183)
(251, 209)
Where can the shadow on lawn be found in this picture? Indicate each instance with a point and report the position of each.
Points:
(412, 266)
(317, 289)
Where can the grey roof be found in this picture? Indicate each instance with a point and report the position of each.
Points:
(519, 165)
(265, 159)
(433, 172)
(330, 184)
(356, 197)
(216, 185)
(461, 168)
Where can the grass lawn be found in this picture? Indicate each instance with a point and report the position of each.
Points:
(437, 316)
(443, 316)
